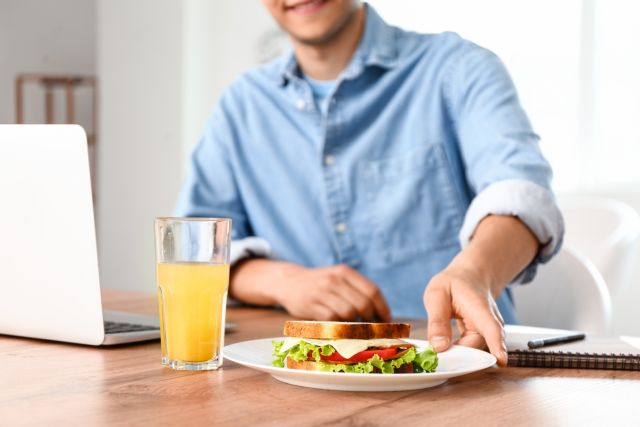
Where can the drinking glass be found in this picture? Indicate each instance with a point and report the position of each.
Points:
(192, 256)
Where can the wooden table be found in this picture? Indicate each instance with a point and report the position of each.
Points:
(48, 383)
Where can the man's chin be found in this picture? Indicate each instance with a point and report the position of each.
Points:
(318, 38)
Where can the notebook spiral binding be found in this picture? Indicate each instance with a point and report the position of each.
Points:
(569, 360)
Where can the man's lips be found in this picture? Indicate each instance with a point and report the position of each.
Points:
(305, 6)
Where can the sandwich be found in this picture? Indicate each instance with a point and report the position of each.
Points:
(352, 347)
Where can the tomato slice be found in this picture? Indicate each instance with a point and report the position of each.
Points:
(383, 353)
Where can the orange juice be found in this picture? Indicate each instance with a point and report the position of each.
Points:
(191, 298)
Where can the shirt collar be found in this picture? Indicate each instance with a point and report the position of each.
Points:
(377, 48)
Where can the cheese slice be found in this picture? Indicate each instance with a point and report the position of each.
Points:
(346, 347)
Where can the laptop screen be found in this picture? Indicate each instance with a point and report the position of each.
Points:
(49, 283)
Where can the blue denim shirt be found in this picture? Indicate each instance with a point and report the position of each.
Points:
(417, 127)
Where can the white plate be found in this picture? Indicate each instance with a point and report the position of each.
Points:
(456, 361)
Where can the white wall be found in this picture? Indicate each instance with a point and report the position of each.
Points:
(139, 65)
(162, 65)
(39, 36)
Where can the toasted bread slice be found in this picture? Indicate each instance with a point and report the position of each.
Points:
(305, 365)
(309, 365)
(345, 330)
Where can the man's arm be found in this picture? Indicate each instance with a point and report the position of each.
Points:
(331, 293)
(512, 223)
(501, 248)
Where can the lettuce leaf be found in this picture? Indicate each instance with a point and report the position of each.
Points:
(280, 356)
(426, 361)
(299, 352)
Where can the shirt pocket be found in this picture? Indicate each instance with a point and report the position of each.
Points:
(413, 205)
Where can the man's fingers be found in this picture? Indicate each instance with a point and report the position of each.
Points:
(361, 304)
(472, 339)
(461, 327)
(437, 301)
(498, 317)
(369, 290)
(321, 312)
(491, 329)
(338, 302)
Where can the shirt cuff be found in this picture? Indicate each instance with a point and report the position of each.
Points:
(249, 247)
(533, 204)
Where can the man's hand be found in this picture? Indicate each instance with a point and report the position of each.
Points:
(331, 293)
(502, 247)
(460, 294)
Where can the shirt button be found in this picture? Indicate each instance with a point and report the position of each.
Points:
(329, 160)
(341, 227)
(300, 104)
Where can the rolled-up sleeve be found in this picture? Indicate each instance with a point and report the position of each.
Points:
(505, 169)
(210, 189)
(532, 204)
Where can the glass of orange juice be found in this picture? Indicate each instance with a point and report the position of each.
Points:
(192, 256)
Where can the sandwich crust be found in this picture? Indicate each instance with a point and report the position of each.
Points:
(309, 365)
(305, 365)
(345, 330)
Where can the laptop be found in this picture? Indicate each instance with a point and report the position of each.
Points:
(49, 281)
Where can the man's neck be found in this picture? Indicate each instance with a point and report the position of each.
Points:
(327, 60)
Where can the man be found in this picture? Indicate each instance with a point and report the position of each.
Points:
(369, 161)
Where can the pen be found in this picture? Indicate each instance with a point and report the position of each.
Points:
(555, 340)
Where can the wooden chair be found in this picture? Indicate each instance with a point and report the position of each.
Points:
(69, 84)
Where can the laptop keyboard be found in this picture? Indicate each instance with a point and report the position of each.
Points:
(120, 327)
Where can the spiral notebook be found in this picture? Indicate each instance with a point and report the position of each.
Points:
(594, 352)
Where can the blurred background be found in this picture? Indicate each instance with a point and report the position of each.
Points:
(161, 65)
